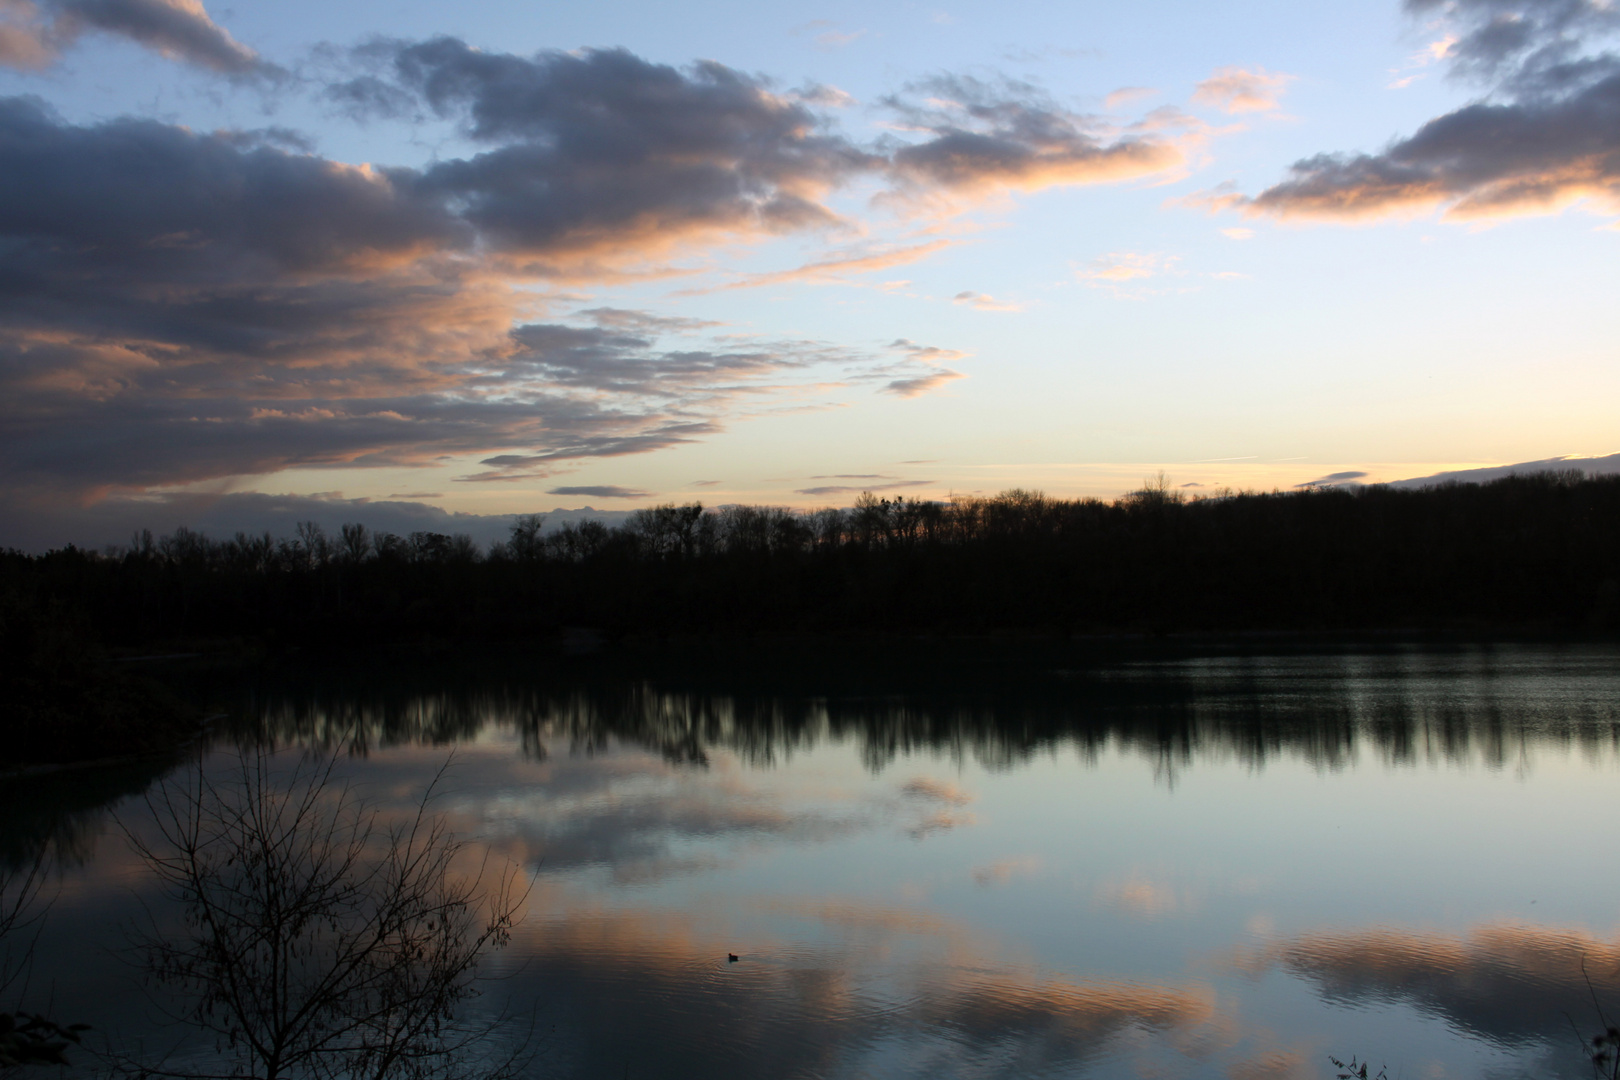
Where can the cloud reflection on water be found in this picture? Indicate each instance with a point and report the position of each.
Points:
(940, 1005)
(1504, 981)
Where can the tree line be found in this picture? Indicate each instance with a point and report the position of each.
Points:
(1534, 553)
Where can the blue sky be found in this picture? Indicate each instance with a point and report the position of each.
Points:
(499, 257)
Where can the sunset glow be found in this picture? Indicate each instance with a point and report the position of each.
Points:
(468, 260)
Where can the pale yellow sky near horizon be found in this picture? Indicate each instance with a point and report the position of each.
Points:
(1103, 480)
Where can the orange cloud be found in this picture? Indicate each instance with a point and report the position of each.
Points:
(1541, 142)
(178, 29)
(1120, 271)
(835, 270)
(979, 164)
(1118, 266)
(1239, 90)
(1127, 94)
(260, 307)
(984, 139)
(984, 302)
(918, 385)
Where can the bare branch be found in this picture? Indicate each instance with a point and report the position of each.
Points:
(324, 942)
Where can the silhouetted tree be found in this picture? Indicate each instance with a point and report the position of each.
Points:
(1529, 553)
(322, 939)
(525, 543)
(356, 543)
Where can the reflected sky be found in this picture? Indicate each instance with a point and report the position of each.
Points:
(1019, 866)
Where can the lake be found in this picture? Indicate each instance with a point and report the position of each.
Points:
(955, 859)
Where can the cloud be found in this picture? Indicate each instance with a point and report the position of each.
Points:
(600, 157)
(33, 35)
(1334, 479)
(855, 489)
(1119, 266)
(181, 306)
(826, 35)
(838, 269)
(1608, 465)
(930, 354)
(984, 302)
(1520, 42)
(25, 42)
(601, 491)
(918, 371)
(1239, 90)
(837, 39)
(1127, 94)
(601, 358)
(621, 434)
(644, 322)
(1483, 161)
(1121, 271)
(1545, 137)
(918, 385)
(635, 158)
(984, 138)
(1238, 234)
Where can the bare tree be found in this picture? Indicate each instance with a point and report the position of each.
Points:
(356, 543)
(321, 940)
(526, 543)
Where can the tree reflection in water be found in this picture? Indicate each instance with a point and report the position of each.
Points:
(997, 705)
(321, 938)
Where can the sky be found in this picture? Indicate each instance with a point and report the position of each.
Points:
(456, 261)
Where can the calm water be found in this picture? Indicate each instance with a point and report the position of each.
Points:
(953, 864)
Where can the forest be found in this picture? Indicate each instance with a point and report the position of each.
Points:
(1531, 555)
(1534, 553)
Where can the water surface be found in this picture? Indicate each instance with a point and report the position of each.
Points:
(957, 863)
